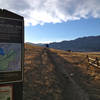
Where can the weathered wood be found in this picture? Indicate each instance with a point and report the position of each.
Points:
(95, 65)
(7, 14)
(91, 59)
(94, 62)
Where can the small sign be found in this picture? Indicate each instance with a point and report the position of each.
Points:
(6, 92)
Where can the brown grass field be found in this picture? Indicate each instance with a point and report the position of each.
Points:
(45, 73)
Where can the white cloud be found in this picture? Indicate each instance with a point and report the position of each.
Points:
(53, 11)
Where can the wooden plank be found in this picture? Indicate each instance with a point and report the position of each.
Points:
(91, 59)
(7, 14)
(94, 65)
(99, 62)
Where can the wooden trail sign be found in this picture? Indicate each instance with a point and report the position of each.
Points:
(11, 47)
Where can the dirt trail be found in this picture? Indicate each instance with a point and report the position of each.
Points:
(72, 90)
(46, 79)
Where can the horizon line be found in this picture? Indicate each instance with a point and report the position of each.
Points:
(48, 42)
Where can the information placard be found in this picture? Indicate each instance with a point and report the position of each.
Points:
(6, 92)
(11, 30)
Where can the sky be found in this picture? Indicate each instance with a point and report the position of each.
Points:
(56, 20)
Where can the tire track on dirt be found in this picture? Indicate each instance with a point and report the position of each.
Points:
(40, 81)
(45, 80)
(71, 90)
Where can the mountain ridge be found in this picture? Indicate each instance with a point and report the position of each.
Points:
(82, 44)
(90, 43)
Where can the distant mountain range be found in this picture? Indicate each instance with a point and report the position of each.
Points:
(91, 43)
(85, 44)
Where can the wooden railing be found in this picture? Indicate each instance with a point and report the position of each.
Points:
(94, 62)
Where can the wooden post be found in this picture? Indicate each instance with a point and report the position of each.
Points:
(88, 58)
(88, 62)
(97, 61)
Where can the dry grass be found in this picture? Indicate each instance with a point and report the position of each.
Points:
(41, 81)
(89, 80)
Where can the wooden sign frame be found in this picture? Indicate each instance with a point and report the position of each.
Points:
(12, 32)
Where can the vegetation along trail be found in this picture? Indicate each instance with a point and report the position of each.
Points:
(45, 77)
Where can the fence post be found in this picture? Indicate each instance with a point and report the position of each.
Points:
(88, 62)
(97, 61)
(88, 58)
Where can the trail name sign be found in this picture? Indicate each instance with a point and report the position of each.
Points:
(11, 47)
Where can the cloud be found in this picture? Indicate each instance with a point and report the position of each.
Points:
(53, 11)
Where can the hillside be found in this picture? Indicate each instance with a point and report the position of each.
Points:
(51, 74)
(91, 43)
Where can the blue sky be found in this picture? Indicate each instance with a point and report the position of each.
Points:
(56, 20)
(62, 31)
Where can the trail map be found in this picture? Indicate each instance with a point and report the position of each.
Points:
(10, 57)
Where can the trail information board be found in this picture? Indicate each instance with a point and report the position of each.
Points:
(11, 46)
